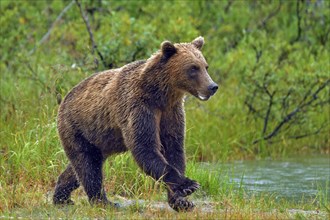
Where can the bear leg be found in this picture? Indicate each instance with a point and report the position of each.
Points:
(89, 172)
(87, 161)
(88, 167)
(177, 161)
(66, 183)
(176, 199)
(172, 138)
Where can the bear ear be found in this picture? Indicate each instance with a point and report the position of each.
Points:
(198, 42)
(168, 49)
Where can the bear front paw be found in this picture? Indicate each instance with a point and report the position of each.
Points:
(186, 188)
(181, 204)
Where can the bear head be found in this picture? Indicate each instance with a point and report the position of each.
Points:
(188, 67)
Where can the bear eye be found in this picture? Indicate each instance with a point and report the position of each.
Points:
(193, 71)
(194, 68)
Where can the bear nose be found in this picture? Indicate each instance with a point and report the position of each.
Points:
(213, 88)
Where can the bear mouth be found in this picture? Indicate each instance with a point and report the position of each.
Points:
(203, 97)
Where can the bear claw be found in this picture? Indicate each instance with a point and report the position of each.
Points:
(186, 189)
(181, 204)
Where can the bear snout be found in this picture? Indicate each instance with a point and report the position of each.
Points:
(213, 88)
(210, 91)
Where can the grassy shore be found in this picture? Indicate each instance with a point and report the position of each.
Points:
(28, 195)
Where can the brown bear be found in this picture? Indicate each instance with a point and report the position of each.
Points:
(136, 108)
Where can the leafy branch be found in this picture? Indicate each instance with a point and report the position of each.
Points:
(263, 23)
(308, 99)
(91, 36)
(299, 29)
(46, 36)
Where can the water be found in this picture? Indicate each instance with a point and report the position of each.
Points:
(294, 178)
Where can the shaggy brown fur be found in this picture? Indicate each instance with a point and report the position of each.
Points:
(137, 108)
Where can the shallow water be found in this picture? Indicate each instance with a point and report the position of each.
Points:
(294, 178)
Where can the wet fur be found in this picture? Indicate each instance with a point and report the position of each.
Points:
(136, 108)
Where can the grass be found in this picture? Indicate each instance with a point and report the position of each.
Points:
(30, 166)
(25, 196)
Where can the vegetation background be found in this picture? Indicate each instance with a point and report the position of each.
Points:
(270, 58)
